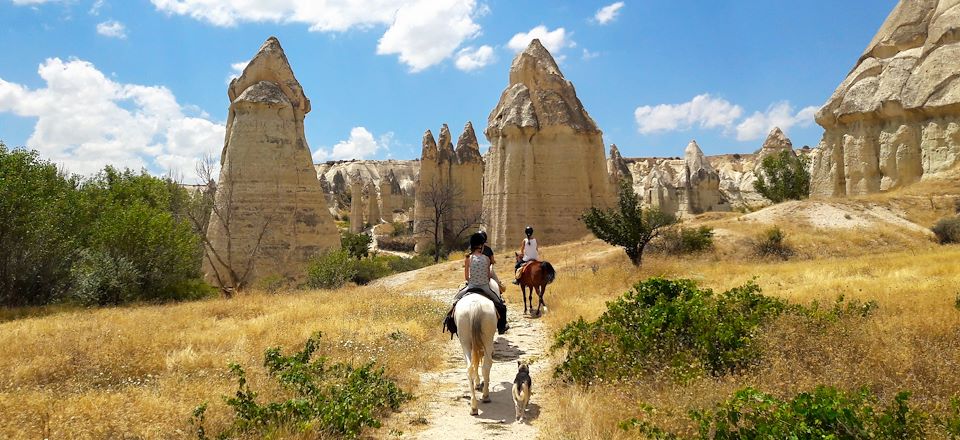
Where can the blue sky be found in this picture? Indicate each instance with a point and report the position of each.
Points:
(143, 83)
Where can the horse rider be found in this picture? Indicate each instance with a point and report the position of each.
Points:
(489, 253)
(476, 272)
(528, 250)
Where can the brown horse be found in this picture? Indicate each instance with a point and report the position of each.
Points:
(535, 277)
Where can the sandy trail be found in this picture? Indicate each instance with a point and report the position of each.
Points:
(447, 392)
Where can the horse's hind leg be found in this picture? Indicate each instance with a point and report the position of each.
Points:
(487, 363)
(540, 291)
(523, 294)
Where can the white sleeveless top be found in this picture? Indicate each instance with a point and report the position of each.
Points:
(530, 249)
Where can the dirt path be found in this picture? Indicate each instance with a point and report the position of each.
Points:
(448, 410)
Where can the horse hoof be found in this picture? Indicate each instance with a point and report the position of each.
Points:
(486, 400)
(474, 412)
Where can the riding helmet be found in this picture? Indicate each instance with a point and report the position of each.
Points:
(529, 230)
(484, 234)
(476, 240)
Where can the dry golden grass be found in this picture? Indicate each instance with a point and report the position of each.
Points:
(910, 343)
(138, 372)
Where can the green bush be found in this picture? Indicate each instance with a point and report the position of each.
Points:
(62, 234)
(772, 243)
(330, 270)
(824, 413)
(398, 264)
(358, 245)
(947, 230)
(403, 243)
(399, 228)
(369, 269)
(323, 398)
(664, 324)
(101, 279)
(784, 176)
(687, 240)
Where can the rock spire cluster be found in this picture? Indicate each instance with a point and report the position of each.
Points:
(452, 177)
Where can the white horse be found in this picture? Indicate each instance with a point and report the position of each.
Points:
(476, 320)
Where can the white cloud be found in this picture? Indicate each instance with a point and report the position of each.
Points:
(779, 114)
(608, 13)
(422, 33)
(470, 58)
(236, 69)
(95, 8)
(34, 2)
(112, 29)
(360, 145)
(86, 120)
(555, 40)
(587, 55)
(704, 111)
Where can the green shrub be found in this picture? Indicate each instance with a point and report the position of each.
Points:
(664, 324)
(398, 264)
(772, 243)
(950, 422)
(399, 228)
(687, 240)
(403, 243)
(358, 245)
(323, 398)
(947, 230)
(369, 269)
(784, 176)
(330, 270)
(101, 279)
(824, 413)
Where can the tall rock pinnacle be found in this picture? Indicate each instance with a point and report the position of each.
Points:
(271, 216)
(546, 163)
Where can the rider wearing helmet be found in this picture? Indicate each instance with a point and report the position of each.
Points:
(476, 272)
(528, 250)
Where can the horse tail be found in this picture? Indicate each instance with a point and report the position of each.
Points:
(476, 334)
(548, 273)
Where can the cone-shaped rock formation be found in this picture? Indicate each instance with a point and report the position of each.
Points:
(271, 216)
(546, 163)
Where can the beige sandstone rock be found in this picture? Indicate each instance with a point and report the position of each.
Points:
(356, 204)
(617, 167)
(273, 214)
(405, 173)
(546, 163)
(372, 213)
(896, 117)
(457, 172)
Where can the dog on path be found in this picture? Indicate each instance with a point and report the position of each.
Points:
(521, 389)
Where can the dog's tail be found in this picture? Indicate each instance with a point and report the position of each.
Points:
(520, 390)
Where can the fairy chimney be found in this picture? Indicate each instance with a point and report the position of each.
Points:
(546, 163)
(274, 217)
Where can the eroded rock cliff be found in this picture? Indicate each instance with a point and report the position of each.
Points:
(896, 117)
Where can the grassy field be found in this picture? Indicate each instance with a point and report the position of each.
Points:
(138, 372)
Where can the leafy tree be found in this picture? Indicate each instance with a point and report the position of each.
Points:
(40, 216)
(784, 176)
(630, 226)
(358, 245)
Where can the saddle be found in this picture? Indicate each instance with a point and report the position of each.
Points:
(524, 268)
(450, 325)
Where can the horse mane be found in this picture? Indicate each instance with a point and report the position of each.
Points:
(548, 273)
